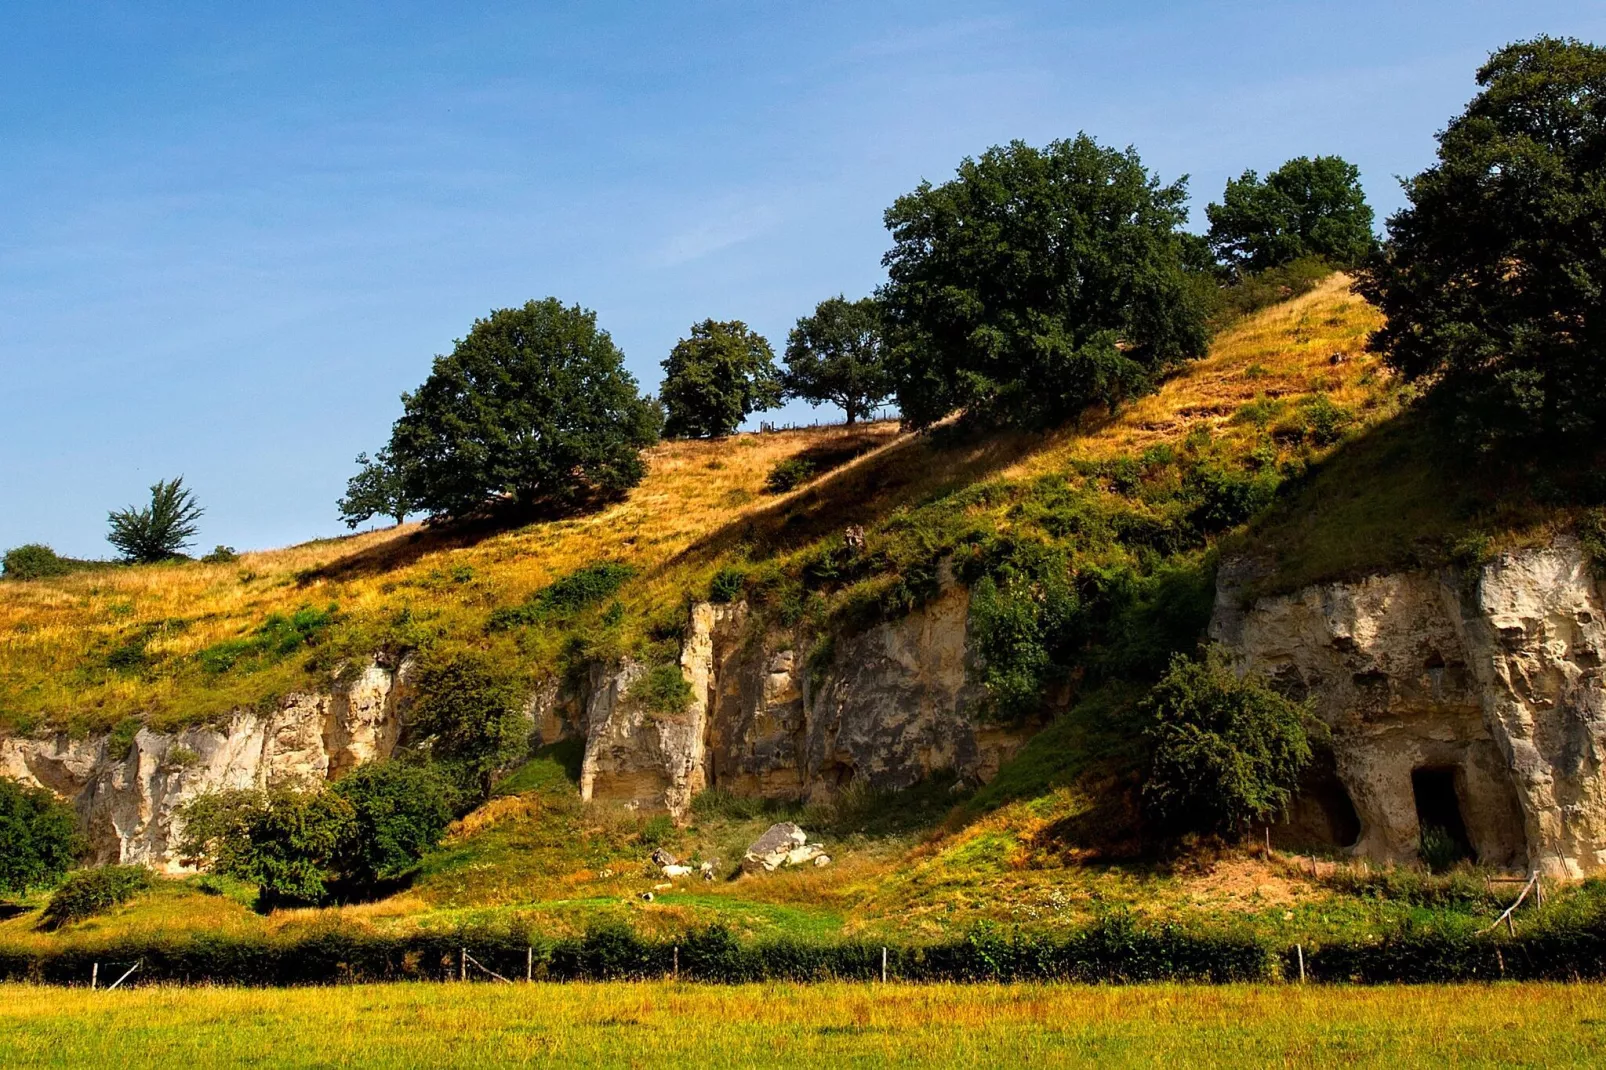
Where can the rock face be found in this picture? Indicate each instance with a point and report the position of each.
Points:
(885, 708)
(1451, 697)
(129, 803)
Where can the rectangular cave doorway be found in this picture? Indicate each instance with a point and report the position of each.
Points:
(1441, 827)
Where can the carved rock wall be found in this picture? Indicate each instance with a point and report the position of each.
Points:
(1493, 679)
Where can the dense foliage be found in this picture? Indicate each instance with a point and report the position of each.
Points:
(466, 716)
(1227, 750)
(158, 531)
(837, 355)
(378, 489)
(1037, 282)
(533, 408)
(1306, 208)
(33, 561)
(398, 812)
(1493, 275)
(716, 378)
(38, 837)
(88, 892)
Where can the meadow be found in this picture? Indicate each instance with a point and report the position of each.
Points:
(663, 1023)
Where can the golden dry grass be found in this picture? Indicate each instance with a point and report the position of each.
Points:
(662, 1023)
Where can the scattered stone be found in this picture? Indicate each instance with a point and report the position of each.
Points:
(662, 887)
(783, 844)
(661, 857)
(673, 872)
(822, 860)
(853, 538)
(603, 875)
(646, 897)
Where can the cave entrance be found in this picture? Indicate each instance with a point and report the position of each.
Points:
(1441, 827)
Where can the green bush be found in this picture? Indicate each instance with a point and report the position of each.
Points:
(1438, 849)
(399, 812)
(221, 555)
(120, 740)
(284, 841)
(89, 892)
(663, 689)
(580, 589)
(466, 715)
(1226, 750)
(38, 837)
(275, 638)
(788, 474)
(728, 584)
(33, 562)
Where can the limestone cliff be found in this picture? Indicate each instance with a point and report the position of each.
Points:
(129, 802)
(1473, 697)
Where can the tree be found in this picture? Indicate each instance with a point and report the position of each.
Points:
(1493, 274)
(399, 812)
(38, 837)
(160, 530)
(1226, 750)
(378, 489)
(1307, 207)
(1038, 282)
(533, 408)
(283, 841)
(837, 355)
(466, 714)
(717, 378)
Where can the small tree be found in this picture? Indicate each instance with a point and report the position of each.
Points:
(837, 356)
(717, 378)
(534, 407)
(1226, 750)
(378, 489)
(466, 714)
(160, 530)
(1492, 277)
(284, 841)
(38, 837)
(1307, 207)
(33, 561)
(399, 812)
(1036, 283)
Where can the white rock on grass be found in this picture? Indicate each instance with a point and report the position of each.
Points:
(783, 844)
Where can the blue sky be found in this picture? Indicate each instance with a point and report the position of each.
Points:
(230, 239)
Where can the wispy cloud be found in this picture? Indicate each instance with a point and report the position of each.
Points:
(719, 227)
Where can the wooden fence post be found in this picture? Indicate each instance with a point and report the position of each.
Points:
(462, 964)
(883, 965)
(1299, 949)
(94, 977)
(529, 964)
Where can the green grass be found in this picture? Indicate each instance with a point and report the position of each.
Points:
(662, 1024)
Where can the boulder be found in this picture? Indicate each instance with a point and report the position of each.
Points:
(783, 844)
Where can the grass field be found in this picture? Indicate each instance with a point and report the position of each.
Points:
(660, 1024)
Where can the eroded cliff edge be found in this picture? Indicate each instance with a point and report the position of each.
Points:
(1472, 694)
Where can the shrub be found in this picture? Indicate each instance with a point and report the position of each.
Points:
(728, 584)
(788, 474)
(275, 638)
(399, 812)
(663, 689)
(285, 841)
(94, 891)
(161, 529)
(38, 837)
(1226, 750)
(1438, 849)
(34, 561)
(221, 555)
(466, 714)
(584, 587)
(120, 740)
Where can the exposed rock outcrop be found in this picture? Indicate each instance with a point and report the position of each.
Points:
(1475, 696)
(129, 802)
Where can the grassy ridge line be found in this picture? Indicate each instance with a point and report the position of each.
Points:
(662, 1023)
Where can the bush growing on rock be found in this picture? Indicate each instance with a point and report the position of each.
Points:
(1226, 750)
(466, 716)
(399, 812)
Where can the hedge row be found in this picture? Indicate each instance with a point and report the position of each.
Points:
(1112, 951)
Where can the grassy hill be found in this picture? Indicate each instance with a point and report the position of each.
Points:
(1288, 441)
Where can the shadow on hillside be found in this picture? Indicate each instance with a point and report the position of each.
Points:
(908, 471)
(435, 536)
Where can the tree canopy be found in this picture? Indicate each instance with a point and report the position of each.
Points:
(837, 355)
(160, 530)
(378, 489)
(717, 378)
(1037, 282)
(533, 407)
(1493, 275)
(1307, 207)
